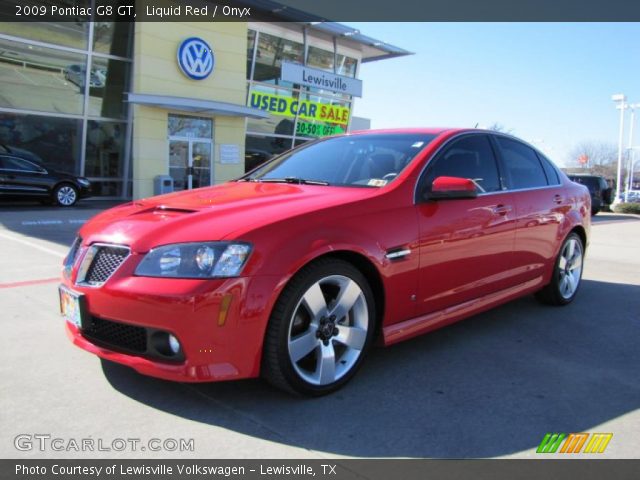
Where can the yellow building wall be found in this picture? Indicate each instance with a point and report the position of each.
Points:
(156, 71)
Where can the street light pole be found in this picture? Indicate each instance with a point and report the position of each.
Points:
(621, 98)
(633, 107)
(632, 167)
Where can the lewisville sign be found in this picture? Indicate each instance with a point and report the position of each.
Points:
(313, 77)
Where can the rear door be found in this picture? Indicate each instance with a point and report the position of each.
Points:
(466, 245)
(541, 204)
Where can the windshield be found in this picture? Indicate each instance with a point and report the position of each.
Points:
(370, 160)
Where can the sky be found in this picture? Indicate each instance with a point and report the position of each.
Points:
(547, 83)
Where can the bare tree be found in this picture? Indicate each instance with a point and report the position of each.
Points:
(599, 158)
(498, 127)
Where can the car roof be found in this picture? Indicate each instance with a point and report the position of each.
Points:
(427, 131)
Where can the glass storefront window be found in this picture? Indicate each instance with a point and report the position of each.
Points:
(260, 148)
(113, 38)
(105, 149)
(321, 59)
(346, 66)
(45, 79)
(106, 188)
(68, 34)
(185, 126)
(270, 54)
(56, 141)
(109, 81)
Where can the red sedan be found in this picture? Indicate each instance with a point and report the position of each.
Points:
(294, 270)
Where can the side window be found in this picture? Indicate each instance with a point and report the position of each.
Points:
(549, 170)
(522, 164)
(12, 163)
(469, 157)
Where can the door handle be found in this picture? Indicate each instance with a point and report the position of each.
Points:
(557, 199)
(501, 209)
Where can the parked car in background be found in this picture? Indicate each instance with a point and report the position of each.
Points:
(598, 188)
(632, 196)
(76, 73)
(23, 176)
(294, 270)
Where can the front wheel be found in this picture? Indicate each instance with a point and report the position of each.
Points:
(567, 273)
(320, 329)
(65, 195)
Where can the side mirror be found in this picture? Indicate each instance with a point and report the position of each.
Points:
(451, 188)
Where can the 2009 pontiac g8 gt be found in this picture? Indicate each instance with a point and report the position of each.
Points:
(292, 271)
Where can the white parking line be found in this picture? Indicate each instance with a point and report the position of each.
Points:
(25, 77)
(72, 221)
(33, 245)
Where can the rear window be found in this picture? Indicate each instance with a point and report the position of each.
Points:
(549, 170)
(523, 165)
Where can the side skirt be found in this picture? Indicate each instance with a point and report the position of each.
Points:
(432, 321)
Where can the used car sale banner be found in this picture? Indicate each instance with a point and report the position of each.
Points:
(305, 109)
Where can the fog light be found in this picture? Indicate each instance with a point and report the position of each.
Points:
(174, 344)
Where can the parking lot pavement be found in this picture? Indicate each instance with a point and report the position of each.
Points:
(490, 386)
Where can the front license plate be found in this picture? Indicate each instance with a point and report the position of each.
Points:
(71, 306)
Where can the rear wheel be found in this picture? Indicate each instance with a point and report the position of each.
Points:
(567, 273)
(320, 329)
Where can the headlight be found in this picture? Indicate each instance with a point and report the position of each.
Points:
(195, 260)
(84, 182)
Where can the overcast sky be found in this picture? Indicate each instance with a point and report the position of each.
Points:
(550, 83)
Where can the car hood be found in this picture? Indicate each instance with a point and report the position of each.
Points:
(222, 212)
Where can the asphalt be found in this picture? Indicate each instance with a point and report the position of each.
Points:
(490, 386)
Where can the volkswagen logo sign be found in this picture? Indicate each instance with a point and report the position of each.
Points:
(195, 58)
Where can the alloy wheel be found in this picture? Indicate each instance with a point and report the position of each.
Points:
(328, 330)
(66, 196)
(570, 268)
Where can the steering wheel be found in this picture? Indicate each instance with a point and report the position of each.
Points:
(390, 176)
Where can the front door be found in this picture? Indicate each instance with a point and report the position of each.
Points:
(190, 162)
(190, 151)
(466, 245)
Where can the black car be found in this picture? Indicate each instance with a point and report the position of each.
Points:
(598, 188)
(24, 176)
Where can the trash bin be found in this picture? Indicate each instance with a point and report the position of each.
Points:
(162, 184)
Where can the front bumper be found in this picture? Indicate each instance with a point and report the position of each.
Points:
(213, 346)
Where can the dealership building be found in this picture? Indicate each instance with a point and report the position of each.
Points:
(199, 103)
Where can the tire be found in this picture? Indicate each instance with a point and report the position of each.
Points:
(65, 195)
(567, 273)
(315, 343)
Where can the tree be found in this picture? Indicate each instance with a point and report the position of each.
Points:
(601, 158)
(498, 127)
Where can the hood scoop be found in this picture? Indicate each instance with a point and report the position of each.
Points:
(164, 210)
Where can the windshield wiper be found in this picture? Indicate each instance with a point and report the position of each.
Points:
(296, 180)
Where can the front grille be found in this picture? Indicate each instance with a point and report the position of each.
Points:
(100, 262)
(117, 335)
